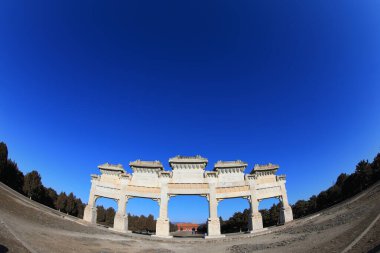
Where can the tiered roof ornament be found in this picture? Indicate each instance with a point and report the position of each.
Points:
(266, 169)
(146, 166)
(230, 166)
(111, 169)
(188, 162)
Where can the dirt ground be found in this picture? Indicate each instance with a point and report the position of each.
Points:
(26, 226)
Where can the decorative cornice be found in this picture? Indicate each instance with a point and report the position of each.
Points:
(146, 164)
(212, 174)
(265, 168)
(165, 174)
(188, 162)
(111, 169)
(223, 167)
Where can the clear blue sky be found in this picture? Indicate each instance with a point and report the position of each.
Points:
(290, 82)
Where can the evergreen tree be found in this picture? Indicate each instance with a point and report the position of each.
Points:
(61, 202)
(340, 180)
(71, 205)
(50, 197)
(101, 214)
(110, 216)
(151, 224)
(33, 186)
(80, 208)
(3, 157)
(12, 176)
(376, 168)
(312, 205)
(364, 172)
(300, 208)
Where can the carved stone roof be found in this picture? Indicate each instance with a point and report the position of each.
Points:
(265, 167)
(113, 168)
(238, 164)
(187, 162)
(188, 159)
(146, 164)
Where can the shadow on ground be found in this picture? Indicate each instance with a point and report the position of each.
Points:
(3, 249)
(375, 250)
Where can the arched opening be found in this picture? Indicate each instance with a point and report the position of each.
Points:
(106, 209)
(188, 212)
(270, 210)
(234, 213)
(142, 215)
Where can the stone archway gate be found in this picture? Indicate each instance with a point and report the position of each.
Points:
(188, 177)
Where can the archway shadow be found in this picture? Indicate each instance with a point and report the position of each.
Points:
(3, 249)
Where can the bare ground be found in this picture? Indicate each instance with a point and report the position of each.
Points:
(26, 226)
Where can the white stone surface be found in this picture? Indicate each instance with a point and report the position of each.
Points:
(188, 176)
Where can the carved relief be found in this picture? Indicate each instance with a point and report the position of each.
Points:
(232, 189)
(188, 186)
(143, 189)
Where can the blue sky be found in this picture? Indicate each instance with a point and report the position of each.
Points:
(290, 82)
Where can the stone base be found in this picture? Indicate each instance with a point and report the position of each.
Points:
(256, 222)
(90, 214)
(286, 215)
(214, 236)
(162, 236)
(213, 227)
(258, 230)
(162, 228)
(120, 223)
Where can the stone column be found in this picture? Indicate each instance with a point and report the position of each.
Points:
(213, 223)
(121, 218)
(90, 209)
(286, 213)
(255, 221)
(162, 224)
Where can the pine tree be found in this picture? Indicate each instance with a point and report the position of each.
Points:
(50, 197)
(61, 202)
(33, 186)
(3, 157)
(101, 214)
(71, 205)
(110, 215)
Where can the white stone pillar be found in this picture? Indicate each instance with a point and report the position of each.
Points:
(121, 217)
(213, 222)
(286, 213)
(90, 211)
(255, 221)
(162, 224)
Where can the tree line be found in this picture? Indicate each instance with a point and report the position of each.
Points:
(346, 186)
(31, 186)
